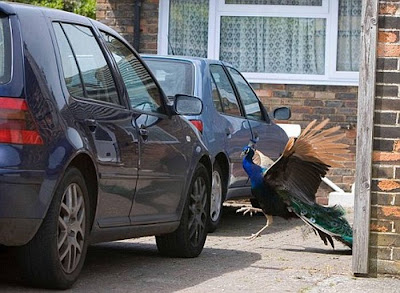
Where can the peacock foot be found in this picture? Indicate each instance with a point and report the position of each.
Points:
(258, 234)
(253, 236)
(250, 210)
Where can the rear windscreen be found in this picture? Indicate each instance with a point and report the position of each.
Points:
(175, 77)
(5, 50)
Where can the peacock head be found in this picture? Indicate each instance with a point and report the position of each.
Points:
(248, 152)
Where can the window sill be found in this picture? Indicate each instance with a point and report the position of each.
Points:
(304, 81)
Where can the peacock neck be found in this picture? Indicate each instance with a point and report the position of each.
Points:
(255, 172)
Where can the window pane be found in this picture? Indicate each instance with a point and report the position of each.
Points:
(274, 44)
(277, 2)
(174, 77)
(248, 97)
(215, 96)
(96, 75)
(70, 68)
(5, 50)
(142, 91)
(229, 102)
(349, 31)
(188, 28)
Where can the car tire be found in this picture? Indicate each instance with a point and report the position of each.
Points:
(218, 192)
(55, 255)
(189, 238)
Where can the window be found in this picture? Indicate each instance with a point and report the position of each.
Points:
(225, 90)
(5, 50)
(247, 96)
(85, 68)
(169, 76)
(143, 93)
(271, 41)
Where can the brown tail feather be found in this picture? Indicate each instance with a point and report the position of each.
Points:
(317, 145)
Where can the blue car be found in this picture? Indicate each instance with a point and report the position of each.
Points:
(232, 116)
(91, 150)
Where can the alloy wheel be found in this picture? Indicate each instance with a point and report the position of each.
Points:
(197, 211)
(216, 196)
(71, 227)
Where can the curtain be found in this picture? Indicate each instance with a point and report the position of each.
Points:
(277, 2)
(349, 31)
(188, 28)
(274, 44)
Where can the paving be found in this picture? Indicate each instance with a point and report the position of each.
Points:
(286, 258)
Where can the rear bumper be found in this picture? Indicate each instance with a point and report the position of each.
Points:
(16, 232)
(24, 199)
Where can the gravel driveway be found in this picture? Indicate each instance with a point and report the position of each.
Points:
(282, 260)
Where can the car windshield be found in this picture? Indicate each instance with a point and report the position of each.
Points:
(175, 77)
(5, 50)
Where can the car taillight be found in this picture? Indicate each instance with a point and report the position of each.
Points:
(198, 124)
(16, 123)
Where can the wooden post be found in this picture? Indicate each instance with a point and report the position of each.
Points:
(365, 126)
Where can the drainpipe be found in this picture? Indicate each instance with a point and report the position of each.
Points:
(136, 24)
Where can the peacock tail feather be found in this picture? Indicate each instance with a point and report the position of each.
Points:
(328, 222)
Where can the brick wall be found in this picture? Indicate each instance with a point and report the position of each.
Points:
(118, 14)
(339, 103)
(385, 197)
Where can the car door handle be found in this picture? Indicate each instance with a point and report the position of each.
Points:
(91, 124)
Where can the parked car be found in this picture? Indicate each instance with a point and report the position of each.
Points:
(233, 114)
(90, 148)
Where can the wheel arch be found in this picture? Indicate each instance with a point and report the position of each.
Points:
(223, 163)
(83, 162)
(205, 160)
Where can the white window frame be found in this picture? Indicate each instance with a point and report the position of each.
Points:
(217, 8)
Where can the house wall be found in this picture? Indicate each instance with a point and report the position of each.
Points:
(385, 191)
(307, 102)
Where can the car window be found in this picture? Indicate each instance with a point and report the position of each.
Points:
(86, 72)
(5, 50)
(215, 96)
(247, 95)
(143, 92)
(230, 104)
(175, 77)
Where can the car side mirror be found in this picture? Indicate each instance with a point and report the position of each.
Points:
(187, 105)
(282, 113)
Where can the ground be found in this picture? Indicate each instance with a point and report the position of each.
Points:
(281, 260)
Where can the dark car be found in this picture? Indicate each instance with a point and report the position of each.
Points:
(232, 116)
(91, 149)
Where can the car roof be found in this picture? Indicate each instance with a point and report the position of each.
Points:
(10, 8)
(185, 58)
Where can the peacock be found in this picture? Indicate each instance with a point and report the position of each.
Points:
(287, 187)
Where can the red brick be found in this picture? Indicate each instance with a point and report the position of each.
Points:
(378, 228)
(396, 146)
(390, 9)
(264, 92)
(325, 95)
(385, 156)
(386, 50)
(389, 211)
(388, 37)
(388, 185)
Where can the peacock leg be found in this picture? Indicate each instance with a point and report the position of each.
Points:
(249, 210)
(258, 234)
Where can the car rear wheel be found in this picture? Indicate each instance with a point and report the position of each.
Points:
(55, 256)
(217, 198)
(188, 240)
